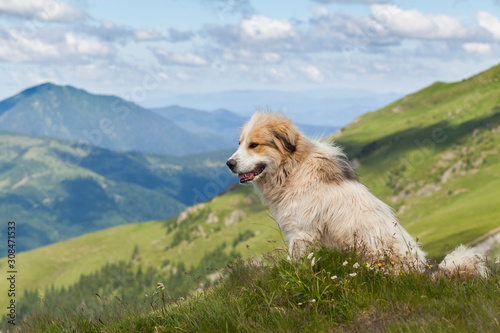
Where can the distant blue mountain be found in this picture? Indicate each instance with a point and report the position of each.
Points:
(322, 107)
(223, 122)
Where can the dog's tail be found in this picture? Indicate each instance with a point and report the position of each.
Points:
(464, 261)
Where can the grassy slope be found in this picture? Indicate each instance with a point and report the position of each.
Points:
(465, 119)
(61, 264)
(332, 291)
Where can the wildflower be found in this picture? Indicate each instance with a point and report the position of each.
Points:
(368, 265)
(353, 274)
(333, 300)
(428, 266)
(356, 265)
(497, 262)
(160, 286)
(379, 264)
(334, 277)
(146, 295)
(345, 263)
(392, 263)
(310, 255)
(313, 261)
(299, 303)
(313, 301)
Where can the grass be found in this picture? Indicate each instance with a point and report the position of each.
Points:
(330, 290)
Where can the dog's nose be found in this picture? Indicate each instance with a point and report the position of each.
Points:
(231, 163)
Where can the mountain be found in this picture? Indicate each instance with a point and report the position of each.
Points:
(432, 155)
(327, 107)
(222, 122)
(56, 190)
(110, 122)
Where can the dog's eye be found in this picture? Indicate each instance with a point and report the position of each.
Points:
(253, 145)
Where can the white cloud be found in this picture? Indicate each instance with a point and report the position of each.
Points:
(148, 35)
(415, 24)
(264, 28)
(312, 73)
(490, 23)
(42, 10)
(82, 46)
(64, 49)
(480, 48)
(187, 59)
(249, 57)
(319, 11)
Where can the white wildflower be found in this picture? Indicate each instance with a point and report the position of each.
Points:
(160, 286)
(310, 255)
(345, 263)
(356, 265)
(146, 295)
(334, 277)
(313, 261)
(353, 274)
(497, 262)
(299, 303)
(368, 265)
(313, 301)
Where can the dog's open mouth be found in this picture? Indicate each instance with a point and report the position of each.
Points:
(249, 176)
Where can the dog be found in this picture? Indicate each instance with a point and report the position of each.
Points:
(316, 197)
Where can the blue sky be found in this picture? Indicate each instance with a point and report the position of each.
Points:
(143, 50)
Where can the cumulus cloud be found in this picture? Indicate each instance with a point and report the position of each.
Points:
(312, 73)
(63, 48)
(319, 11)
(259, 27)
(42, 10)
(490, 23)
(415, 24)
(479, 48)
(111, 32)
(248, 57)
(187, 59)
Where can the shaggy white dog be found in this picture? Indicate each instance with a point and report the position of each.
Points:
(315, 196)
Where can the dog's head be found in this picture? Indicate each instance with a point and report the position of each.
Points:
(266, 140)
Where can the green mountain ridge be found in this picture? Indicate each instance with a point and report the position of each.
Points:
(433, 156)
(56, 191)
(65, 112)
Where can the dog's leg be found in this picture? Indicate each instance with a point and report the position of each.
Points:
(300, 242)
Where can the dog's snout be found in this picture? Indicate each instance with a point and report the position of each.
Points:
(231, 163)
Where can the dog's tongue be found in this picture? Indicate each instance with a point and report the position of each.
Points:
(248, 176)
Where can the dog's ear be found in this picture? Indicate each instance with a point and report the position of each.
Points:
(287, 136)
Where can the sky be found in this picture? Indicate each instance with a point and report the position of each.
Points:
(143, 50)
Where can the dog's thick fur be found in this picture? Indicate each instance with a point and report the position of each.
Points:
(315, 196)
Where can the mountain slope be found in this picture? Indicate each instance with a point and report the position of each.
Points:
(68, 113)
(55, 191)
(222, 122)
(433, 156)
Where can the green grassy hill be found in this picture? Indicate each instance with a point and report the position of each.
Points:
(432, 155)
(236, 218)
